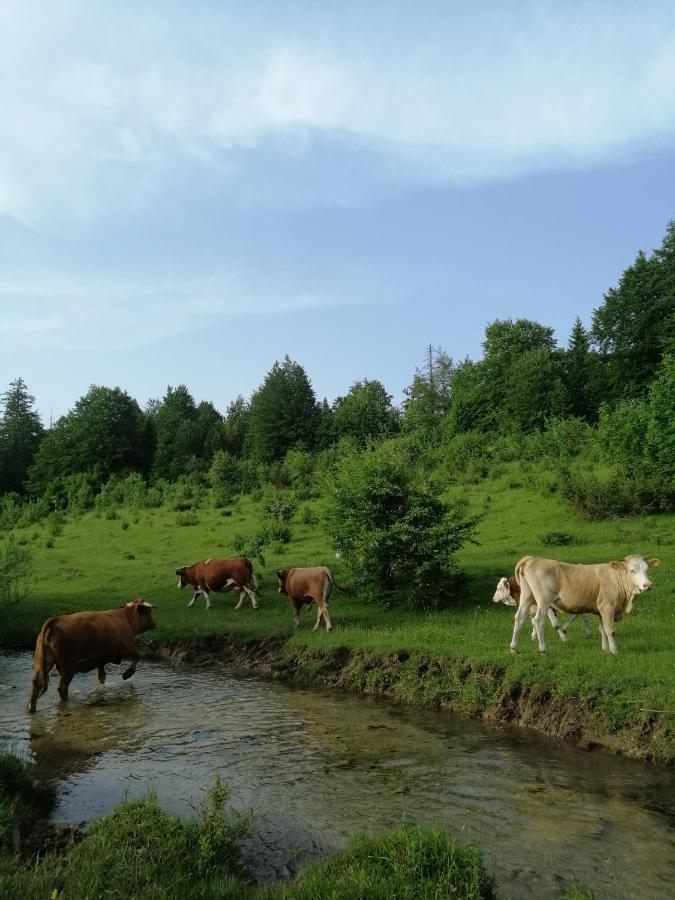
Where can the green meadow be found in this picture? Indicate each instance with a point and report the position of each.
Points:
(96, 561)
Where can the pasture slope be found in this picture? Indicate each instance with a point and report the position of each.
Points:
(454, 658)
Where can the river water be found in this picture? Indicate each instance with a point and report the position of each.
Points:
(318, 767)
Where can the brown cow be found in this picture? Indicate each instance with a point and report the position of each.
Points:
(309, 585)
(220, 575)
(83, 641)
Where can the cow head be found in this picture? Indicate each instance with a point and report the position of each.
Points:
(637, 569)
(503, 593)
(182, 580)
(281, 575)
(142, 611)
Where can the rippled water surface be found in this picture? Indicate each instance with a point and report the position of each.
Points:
(319, 767)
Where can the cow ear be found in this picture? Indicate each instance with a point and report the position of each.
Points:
(616, 564)
(653, 563)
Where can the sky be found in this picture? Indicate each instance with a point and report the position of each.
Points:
(188, 192)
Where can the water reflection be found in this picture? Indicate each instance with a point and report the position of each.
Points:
(319, 767)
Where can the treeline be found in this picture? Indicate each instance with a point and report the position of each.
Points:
(616, 379)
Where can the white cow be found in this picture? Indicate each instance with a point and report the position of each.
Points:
(606, 589)
(508, 593)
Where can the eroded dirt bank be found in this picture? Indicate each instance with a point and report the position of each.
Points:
(449, 684)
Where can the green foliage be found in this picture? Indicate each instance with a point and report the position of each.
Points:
(408, 864)
(394, 534)
(620, 495)
(104, 434)
(20, 434)
(179, 437)
(365, 413)
(557, 539)
(635, 325)
(427, 400)
(224, 477)
(284, 413)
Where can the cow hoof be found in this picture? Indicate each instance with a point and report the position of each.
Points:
(563, 635)
(542, 651)
(512, 650)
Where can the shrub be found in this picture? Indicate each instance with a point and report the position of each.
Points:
(556, 539)
(308, 516)
(620, 496)
(188, 519)
(393, 532)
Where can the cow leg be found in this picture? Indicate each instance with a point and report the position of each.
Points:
(587, 624)
(607, 616)
(319, 613)
(568, 622)
(242, 595)
(132, 668)
(208, 599)
(603, 636)
(36, 691)
(64, 684)
(553, 616)
(100, 674)
(539, 618)
(521, 614)
(194, 597)
(326, 616)
(251, 595)
(296, 615)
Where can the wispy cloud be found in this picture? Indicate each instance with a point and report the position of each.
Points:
(125, 316)
(94, 126)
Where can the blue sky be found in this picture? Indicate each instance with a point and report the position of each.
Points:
(189, 192)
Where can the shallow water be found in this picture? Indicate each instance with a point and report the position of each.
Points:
(318, 767)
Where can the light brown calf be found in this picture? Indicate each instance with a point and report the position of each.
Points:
(309, 585)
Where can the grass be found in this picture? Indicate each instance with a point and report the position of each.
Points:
(95, 563)
(139, 851)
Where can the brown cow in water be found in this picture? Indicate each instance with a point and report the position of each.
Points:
(309, 585)
(83, 641)
(220, 575)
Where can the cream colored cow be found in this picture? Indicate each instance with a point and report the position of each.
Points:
(606, 589)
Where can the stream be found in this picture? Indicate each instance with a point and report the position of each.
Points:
(318, 767)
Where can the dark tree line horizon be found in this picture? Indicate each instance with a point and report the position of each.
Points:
(523, 381)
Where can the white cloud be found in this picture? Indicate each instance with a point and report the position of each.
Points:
(96, 107)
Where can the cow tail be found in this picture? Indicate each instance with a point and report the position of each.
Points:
(347, 589)
(520, 565)
(40, 658)
(254, 581)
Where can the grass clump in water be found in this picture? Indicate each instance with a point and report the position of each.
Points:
(408, 864)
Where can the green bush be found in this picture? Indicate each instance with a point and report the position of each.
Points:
(621, 495)
(22, 797)
(396, 536)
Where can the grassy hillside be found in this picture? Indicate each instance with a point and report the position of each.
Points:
(98, 562)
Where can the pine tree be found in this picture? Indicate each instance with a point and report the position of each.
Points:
(284, 413)
(20, 434)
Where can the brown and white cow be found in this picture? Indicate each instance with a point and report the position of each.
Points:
(83, 641)
(220, 575)
(508, 593)
(309, 585)
(606, 589)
